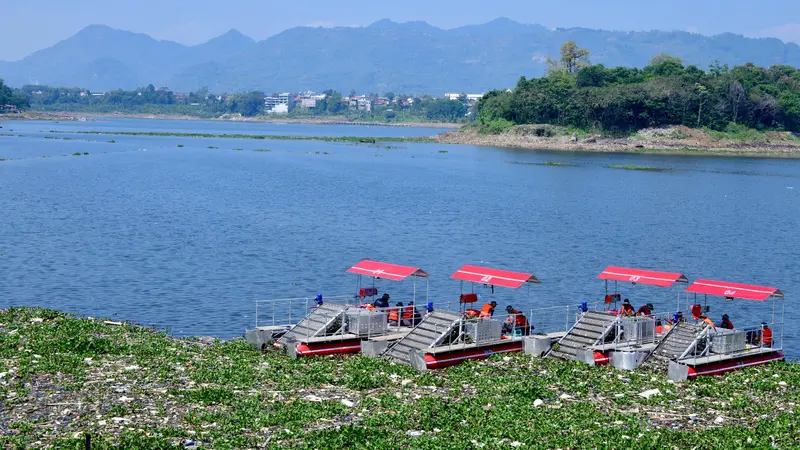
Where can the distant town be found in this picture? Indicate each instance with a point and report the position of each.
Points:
(451, 107)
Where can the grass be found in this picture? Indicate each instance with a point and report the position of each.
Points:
(76, 154)
(546, 163)
(134, 387)
(636, 167)
(352, 139)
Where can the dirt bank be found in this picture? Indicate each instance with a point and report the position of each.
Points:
(672, 140)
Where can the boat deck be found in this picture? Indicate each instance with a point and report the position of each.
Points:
(649, 347)
(754, 351)
(392, 335)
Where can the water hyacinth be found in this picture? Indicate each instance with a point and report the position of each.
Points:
(62, 377)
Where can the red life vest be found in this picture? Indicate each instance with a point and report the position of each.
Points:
(643, 311)
(520, 321)
(697, 311)
(766, 336)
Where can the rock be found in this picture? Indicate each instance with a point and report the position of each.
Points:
(415, 433)
(313, 398)
(125, 399)
(649, 393)
(782, 383)
(517, 444)
(719, 420)
(37, 320)
(538, 402)
(565, 396)
(348, 403)
(405, 382)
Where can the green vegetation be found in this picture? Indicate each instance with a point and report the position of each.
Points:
(180, 145)
(112, 142)
(132, 387)
(263, 150)
(622, 100)
(352, 139)
(636, 167)
(212, 147)
(9, 97)
(237, 149)
(76, 154)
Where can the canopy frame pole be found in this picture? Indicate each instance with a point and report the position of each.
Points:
(427, 290)
(414, 288)
(783, 312)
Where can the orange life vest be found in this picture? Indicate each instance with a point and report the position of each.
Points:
(520, 321)
(486, 311)
(368, 306)
(394, 315)
(766, 336)
(408, 312)
(709, 322)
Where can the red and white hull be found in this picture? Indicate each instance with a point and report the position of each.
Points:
(442, 359)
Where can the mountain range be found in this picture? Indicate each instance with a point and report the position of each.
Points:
(412, 57)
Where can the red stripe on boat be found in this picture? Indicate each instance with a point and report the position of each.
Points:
(728, 366)
(329, 348)
(441, 360)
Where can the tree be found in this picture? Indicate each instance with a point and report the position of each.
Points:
(248, 104)
(664, 57)
(390, 96)
(572, 58)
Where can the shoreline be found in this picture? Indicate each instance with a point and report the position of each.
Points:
(656, 145)
(65, 378)
(334, 120)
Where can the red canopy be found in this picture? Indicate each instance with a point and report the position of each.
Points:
(663, 279)
(496, 277)
(386, 270)
(735, 290)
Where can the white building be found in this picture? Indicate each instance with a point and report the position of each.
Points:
(278, 104)
(471, 98)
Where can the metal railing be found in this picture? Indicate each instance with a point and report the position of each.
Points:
(722, 343)
(289, 311)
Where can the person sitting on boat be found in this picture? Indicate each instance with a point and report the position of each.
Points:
(706, 321)
(368, 306)
(382, 302)
(726, 322)
(697, 311)
(627, 308)
(766, 335)
(488, 310)
(645, 310)
(517, 322)
(394, 314)
(411, 317)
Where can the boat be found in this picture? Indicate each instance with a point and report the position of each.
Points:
(608, 337)
(447, 338)
(714, 351)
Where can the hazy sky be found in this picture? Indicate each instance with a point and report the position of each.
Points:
(31, 25)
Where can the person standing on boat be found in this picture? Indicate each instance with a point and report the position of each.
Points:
(645, 310)
(726, 322)
(383, 302)
(488, 310)
(627, 308)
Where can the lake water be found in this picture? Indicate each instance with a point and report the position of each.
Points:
(187, 238)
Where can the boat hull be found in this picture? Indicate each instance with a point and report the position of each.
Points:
(442, 359)
(341, 347)
(687, 371)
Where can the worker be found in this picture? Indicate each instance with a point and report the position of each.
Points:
(394, 314)
(706, 321)
(645, 310)
(726, 322)
(411, 317)
(488, 310)
(368, 306)
(766, 335)
(517, 321)
(697, 311)
(382, 302)
(627, 308)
